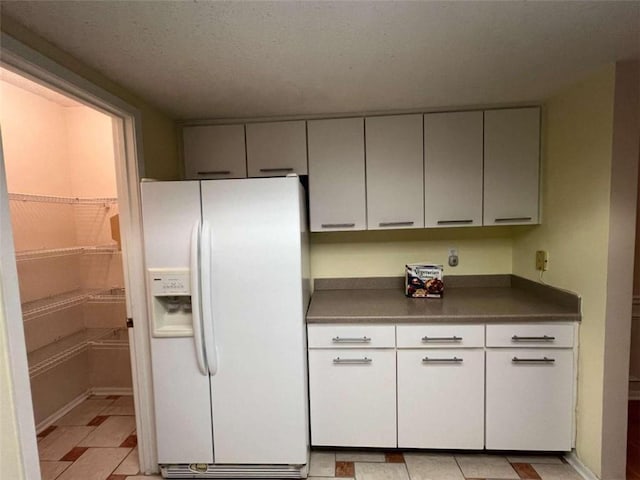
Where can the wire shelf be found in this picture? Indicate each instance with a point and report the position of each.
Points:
(46, 306)
(28, 197)
(66, 251)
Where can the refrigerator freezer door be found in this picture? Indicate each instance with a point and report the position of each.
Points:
(181, 391)
(259, 390)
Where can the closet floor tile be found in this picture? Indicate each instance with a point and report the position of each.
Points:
(95, 464)
(51, 470)
(130, 464)
(432, 467)
(381, 471)
(85, 412)
(59, 442)
(486, 466)
(111, 433)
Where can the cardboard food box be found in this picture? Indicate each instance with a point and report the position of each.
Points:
(423, 280)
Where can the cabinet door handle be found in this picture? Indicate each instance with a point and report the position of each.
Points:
(364, 339)
(282, 169)
(454, 222)
(513, 219)
(533, 360)
(442, 360)
(214, 172)
(543, 338)
(338, 225)
(395, 224)
(352, 361)
(426, 339)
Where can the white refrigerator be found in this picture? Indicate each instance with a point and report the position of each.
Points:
(228, 282)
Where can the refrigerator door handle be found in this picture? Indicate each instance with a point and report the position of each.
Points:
(211, 353)
(195, 297)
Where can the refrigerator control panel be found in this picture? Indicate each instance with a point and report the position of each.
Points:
(169, 281)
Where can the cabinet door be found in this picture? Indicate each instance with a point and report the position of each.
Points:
(529, 399)
(214, 152)
(353, 398)
(511, 166)
(276, 149)
(441, 398)
(453, 169)
(395, 172)
(337, 197)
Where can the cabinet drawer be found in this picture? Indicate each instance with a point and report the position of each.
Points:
(530, 335)
(351, 336)
(353, 398)
(440, 336)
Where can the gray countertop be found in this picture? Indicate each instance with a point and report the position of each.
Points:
(513, 300)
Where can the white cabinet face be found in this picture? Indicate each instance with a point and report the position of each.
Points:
(529, 399)
(276, 149)
(511, 166)
(441, 398)
(353, 397)
(337, 197)
(395, 172)
(214, 152)
(453, 169)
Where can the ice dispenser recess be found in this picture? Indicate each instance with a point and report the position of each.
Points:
(171, 302)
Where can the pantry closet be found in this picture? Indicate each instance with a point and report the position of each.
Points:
(61, 179)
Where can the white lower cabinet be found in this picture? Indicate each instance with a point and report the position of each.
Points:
(441, 398)
(529, 399)
(353, 397)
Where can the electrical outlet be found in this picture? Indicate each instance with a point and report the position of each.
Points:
(453, 257)
(542, 260)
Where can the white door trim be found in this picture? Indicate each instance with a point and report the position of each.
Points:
(129, 169)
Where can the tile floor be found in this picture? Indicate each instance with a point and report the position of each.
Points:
(94, 441)
(435, 466)
(97, 441)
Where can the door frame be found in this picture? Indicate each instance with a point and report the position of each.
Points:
(127, 131)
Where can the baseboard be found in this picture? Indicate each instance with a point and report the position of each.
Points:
(58, 414)
(102, 391)
(573, 460)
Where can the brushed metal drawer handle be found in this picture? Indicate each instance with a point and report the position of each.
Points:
(338, 225)
(214, 172)
(543, 338)
(282, 169)
(426, 339)
(395, 224)
(454, 222)
(364, 339)
(513, 219)
(533, 360)
(442, 360)
(352, 361)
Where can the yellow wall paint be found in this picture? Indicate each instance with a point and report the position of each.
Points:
(159, 134)
(10, 462)
(576, 187)
(385, 253)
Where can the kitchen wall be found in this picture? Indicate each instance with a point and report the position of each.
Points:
(578, 129)
(10, 462)
(385, 253)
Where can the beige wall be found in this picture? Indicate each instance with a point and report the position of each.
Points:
(575, 231)
(158, 130)
(385, 253)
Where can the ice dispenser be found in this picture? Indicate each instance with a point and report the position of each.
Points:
(171, 302)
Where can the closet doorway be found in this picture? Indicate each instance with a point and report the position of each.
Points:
(71, 186)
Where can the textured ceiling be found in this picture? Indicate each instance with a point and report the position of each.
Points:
(257, 59)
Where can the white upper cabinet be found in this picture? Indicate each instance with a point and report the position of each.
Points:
(453, 169)
(511, 166)
(276, 149)
(214, 152)
(395, 172)
(337, 197)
